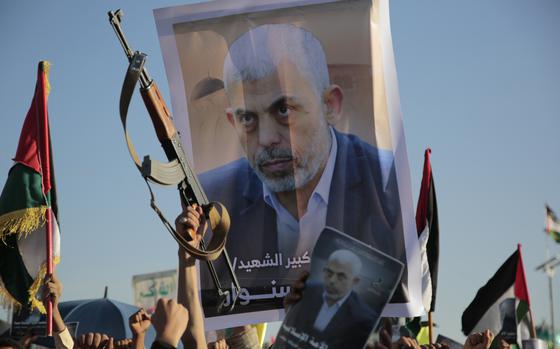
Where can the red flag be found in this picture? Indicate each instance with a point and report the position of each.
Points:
(34, 142)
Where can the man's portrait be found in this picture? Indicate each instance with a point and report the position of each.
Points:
(289, 129)
(343, 297)
(331, 309)
(508, 320)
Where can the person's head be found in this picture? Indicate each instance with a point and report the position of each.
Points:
(281, 102)
(340, 274)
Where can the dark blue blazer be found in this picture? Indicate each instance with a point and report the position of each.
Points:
(363, 203)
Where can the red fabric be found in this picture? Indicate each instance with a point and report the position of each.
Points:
(520, 288)
(422, 207)
(33, 148)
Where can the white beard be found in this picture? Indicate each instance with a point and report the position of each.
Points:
(305, 167)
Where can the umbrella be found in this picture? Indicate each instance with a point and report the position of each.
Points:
(102, 315)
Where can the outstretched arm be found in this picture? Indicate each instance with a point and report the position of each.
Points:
(139, 323)
(192, 222)
(53, 290)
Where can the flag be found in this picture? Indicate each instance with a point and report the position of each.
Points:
(502, 305)
(28, 206)
(427, 228)
(428, 234)
(552, 225)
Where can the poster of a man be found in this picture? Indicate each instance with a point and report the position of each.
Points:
(343, 297)
(281, 132)
(508, 332)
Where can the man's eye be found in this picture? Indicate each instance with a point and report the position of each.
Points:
(284, 110)
(246, 119)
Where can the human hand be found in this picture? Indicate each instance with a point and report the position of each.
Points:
(139, 323)
(27, 339)
(435, 346)
(479, 340)
(95, 341)
(191, 224)
(385, 336)
(504, 344)
(406, 343)
(52, 290)
(220, 344)
(296, 291)
(123, 344)
(170, 321)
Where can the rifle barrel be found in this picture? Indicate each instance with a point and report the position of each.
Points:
(115, 20)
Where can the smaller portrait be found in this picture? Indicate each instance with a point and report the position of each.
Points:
(349, 285)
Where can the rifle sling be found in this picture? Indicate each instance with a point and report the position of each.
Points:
(218, 216)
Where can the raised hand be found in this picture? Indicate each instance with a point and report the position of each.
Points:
(192, 223)
(95, 341)
(385, 335)
(52, 290)
(296, 291)
(479, 340)
(170, 321)
(126, 343)
(406, 343)
(139, 322)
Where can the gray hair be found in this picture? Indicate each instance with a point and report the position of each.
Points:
(347, 257)
(257, 53)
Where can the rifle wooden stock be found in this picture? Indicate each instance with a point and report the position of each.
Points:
(159, 113)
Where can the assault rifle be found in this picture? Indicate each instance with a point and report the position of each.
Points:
(177, 171)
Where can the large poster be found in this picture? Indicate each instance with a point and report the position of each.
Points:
(289, 111)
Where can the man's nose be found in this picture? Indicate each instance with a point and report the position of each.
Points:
(269, 132)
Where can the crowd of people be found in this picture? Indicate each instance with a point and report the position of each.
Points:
(182, 319)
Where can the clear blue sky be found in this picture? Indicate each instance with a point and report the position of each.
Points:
(479, 84)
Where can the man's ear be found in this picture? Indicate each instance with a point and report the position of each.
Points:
(355, 280)
(333, 97)
(230, 118)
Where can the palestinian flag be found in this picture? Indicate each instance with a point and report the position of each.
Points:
(28, 209)
(552, 225)
(428, 234)
(502, 305)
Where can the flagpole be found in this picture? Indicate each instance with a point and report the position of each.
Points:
(532, 328)
(550, 272)
(49, 270)
(549, 267)
(430, 328)
(44, 137)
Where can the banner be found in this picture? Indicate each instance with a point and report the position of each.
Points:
(148, 288)
(294, 125)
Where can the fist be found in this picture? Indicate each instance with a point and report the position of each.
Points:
(170, 321)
